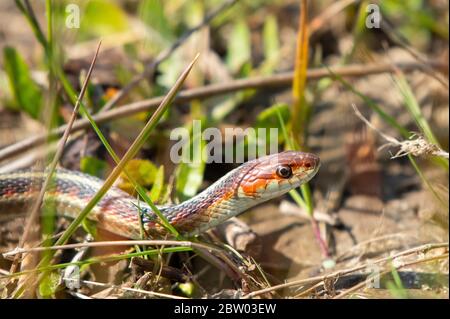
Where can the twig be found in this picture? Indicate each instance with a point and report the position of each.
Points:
(272, 81)
(112, 243)
(78, 295)
(28, 159)
(140, 291)
(385, 272)
(99, 284)
(308, 290)
(96, 260)
(417, 145)
(403, 42)
(201, 248)
(4, 272)
(316, 279)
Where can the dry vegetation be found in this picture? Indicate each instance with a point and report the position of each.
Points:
(371, 102)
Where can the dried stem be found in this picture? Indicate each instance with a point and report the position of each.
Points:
(417, 145)
(314, 280)
(272, 81)
(385, 272)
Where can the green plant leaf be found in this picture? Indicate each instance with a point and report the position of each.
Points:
(239, 46)
(271, 45)
(414, 20)
(93, 166)
(101, 17)
(413, 107)
(396, 287)
(269, 118)
(141, 171)
(26, 92)
(152, 14)
(189, 178)
(90, 227)
(158, 184)
(270, 38)
(190, 171)
(187, 288)
(49, 285)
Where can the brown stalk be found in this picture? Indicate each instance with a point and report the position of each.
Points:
(272, 81)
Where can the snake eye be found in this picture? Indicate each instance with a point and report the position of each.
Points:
(284, 171)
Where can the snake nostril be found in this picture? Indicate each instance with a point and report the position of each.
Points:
(311, 161)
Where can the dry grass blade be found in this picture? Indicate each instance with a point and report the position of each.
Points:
(32, 220)
(134, 148)
(134, 290)
(314, 280)
(300, 112)
(97, 260)
(114, 243)
(417, 145)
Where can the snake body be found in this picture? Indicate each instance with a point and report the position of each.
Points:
(250, 184)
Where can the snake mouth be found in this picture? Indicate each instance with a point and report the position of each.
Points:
(316, 165)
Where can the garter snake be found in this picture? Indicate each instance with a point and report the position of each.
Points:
(252, 183)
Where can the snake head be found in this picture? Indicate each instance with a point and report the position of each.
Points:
(273, 175)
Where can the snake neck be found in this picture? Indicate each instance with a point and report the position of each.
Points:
(217, 203)
(121, 213)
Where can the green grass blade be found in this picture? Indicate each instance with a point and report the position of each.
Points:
(413, 107)
(134, 148)
(141, 191)
(391, 121)
(97, 260)
(294, 194)
(386, 117)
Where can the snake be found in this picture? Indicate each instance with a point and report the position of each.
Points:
(119, 213)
